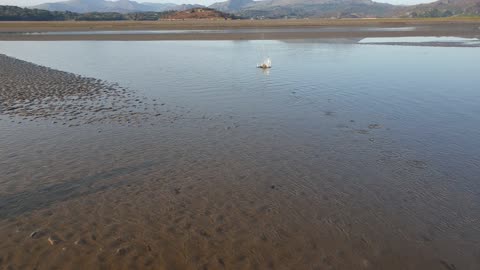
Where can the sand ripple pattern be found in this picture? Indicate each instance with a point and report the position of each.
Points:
(30, 92)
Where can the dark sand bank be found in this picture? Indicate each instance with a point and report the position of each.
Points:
(335, 29)
(30, 92)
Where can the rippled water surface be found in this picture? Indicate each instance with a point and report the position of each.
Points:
(453, 41)
(342, 156)
(244, 30)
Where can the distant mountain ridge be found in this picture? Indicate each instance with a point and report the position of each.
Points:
(14, 13)
(305, 8)
(283, 8)
(233, 5)
(120, 6)
(445, 8)
(346, 8)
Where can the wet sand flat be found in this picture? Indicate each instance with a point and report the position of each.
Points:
(345, 28)
(30, 92)
(96, 175)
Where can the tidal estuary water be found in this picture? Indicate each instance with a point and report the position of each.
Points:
(342, 156)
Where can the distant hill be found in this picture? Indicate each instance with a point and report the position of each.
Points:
(199, 13)
(120, 6)
(233, 5)
(186, 7)
(280, 8)
(444, 8)
(345, 8)
(306, 8)
(12, 13)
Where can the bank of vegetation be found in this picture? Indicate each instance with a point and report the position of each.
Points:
(13, 13)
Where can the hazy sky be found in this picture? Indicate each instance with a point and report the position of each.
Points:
(204, 2)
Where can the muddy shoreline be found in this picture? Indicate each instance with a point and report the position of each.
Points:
(30, 92)
(339, 29)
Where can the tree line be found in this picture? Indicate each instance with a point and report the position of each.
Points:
(13, 13)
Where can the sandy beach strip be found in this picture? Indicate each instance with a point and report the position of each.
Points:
(283, 29)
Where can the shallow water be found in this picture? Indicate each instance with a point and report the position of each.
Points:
(455, 41)
(342, 156)
(225, 31)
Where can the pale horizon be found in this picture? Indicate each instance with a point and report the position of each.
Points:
(26, 3)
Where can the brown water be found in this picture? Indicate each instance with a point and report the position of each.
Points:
(343, 156)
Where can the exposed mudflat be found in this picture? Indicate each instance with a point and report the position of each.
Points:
(240, 29)
(29, 92)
